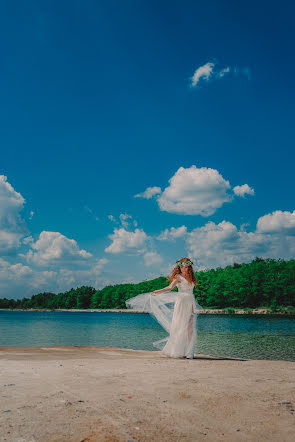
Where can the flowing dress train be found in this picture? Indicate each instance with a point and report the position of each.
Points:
(177, 313)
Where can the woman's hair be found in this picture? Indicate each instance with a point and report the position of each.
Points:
(177, 271)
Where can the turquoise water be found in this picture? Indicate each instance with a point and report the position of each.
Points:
(246, 336)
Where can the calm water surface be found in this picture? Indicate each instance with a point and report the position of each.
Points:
(247, 336)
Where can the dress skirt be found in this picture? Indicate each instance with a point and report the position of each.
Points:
(177, 313)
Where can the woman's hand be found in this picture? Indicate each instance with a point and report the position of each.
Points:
(154, 292)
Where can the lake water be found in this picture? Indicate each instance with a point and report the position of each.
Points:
(246, 336)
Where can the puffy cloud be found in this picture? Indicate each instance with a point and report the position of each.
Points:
(148, 193)
(12, 226)
(91, 276)
(3, 263)
(152, 258)
(123, 220)
(218, 245)
(18, 280)
(203, 72)
(11, 201)
(28, 239)
(123, 217)
(52, 248)
(277, 221)
(14, 279)
(172, 233)
(9, 240)
(127, 242)
(242, 190)
(100, 263)
(195, 191)
(20, 270)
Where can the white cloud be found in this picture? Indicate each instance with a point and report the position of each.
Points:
(223, 72)
(3, 263)
(166, 268)
(208, 72)
(100, 263)
(123, 217)
(20, 270)
(11, 201)
(14, 279)
(195, 191)
(12, 226)
(172, 233)
(204, 72)
(277, 221)
(28, 239)
(152, 258)
(53, 247)
(44, 281)
(9, 240)
(127, 242)
(149, 192)
(18, 280)
(218, 245)
(242, 190)
(91, 276)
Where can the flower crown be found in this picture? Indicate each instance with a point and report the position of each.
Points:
(184, 263)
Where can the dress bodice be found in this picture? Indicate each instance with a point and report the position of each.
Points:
(184, 285)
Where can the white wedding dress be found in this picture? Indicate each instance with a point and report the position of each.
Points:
(177, 313)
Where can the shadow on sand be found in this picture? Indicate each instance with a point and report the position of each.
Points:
(218, 358)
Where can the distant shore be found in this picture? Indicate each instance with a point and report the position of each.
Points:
(226, 311)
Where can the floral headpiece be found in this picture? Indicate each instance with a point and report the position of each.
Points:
(184, 263)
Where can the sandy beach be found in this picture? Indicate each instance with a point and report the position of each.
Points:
(89, 393)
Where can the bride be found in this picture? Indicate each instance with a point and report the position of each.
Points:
(175, 311)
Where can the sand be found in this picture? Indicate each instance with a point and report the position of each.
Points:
(90, 393)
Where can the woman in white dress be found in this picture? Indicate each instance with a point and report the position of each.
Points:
(175, 311)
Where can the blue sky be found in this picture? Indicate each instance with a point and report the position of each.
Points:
(129, 131)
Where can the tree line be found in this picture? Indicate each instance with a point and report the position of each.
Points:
(260, 283)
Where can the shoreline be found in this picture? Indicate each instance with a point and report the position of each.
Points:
(108, 394)
(231, 311)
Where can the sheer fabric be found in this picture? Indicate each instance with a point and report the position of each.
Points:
(176, 312)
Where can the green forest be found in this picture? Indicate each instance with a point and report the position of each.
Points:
(260, 283)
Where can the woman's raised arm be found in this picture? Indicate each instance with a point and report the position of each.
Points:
(168, 288)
